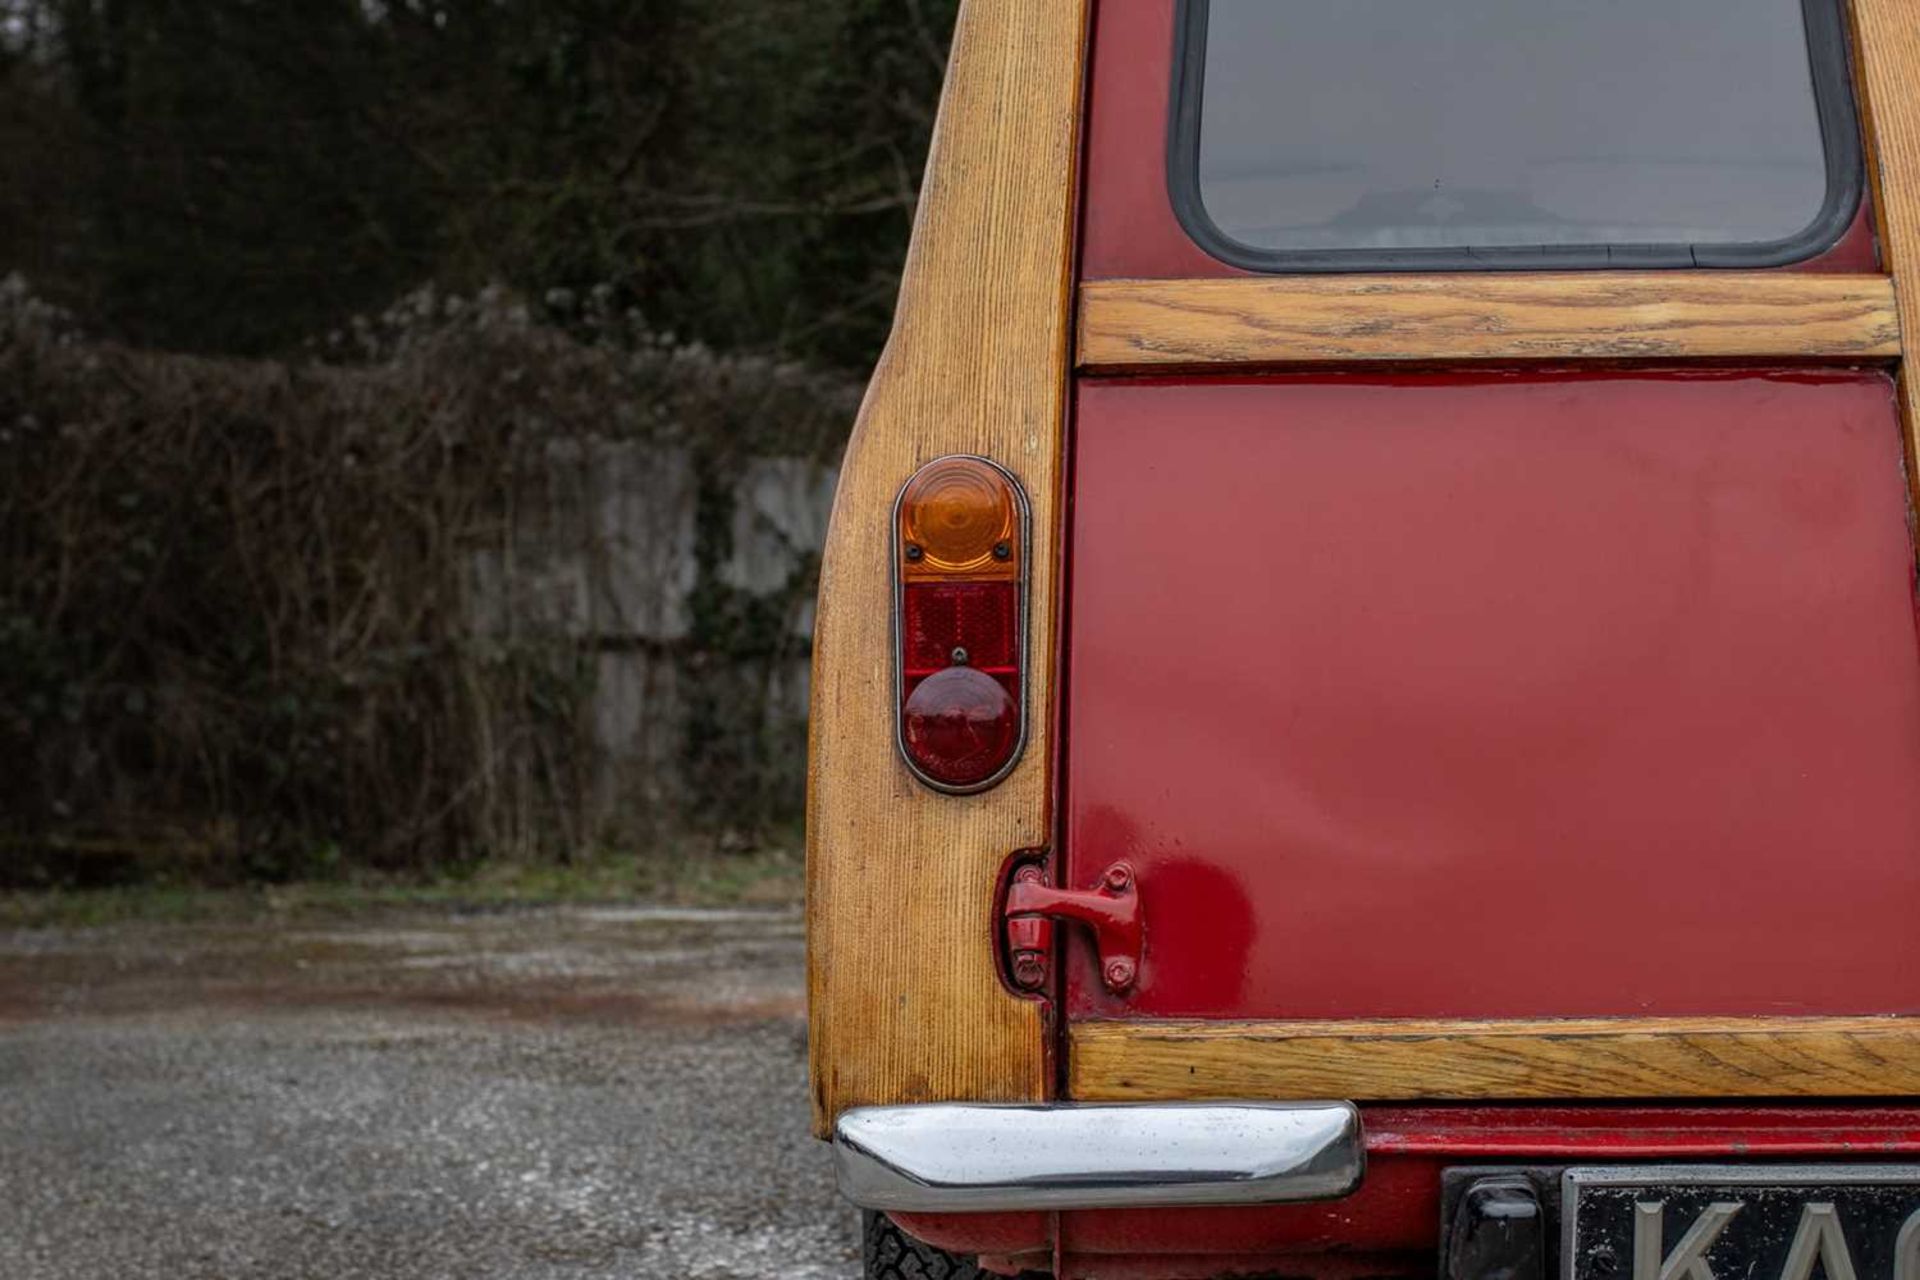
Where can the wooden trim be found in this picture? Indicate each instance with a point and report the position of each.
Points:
(905, 999)
(1134, 325)
(1887, 62)
(1590, 1058)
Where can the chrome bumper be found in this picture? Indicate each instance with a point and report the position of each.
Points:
(957, 1156)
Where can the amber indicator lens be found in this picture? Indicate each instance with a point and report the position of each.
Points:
(960, 591)
(960, 516)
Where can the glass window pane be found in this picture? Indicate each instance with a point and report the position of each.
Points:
(1394, 125)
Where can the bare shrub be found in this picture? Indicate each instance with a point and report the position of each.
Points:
(238, 612)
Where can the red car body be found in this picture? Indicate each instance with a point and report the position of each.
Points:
(1431, 692)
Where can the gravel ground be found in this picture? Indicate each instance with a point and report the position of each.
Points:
(584, 1093)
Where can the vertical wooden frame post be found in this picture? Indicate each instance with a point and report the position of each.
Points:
(1887, 68)
(905, 1001)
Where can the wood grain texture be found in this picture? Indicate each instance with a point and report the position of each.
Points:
(1588, 1058)
(905, 1001)
(1129, 325)
(1887, 64)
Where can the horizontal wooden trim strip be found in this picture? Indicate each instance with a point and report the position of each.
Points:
(1443, 1060)
(1135, 325)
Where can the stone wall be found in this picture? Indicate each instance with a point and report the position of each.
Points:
(607, 551)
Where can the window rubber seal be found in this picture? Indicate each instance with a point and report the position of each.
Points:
(1829, 54)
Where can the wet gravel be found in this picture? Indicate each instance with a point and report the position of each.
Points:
(610, 1093)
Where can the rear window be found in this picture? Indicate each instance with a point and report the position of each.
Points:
(1448, 134)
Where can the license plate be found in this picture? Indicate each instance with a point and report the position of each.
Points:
(1744, 1222)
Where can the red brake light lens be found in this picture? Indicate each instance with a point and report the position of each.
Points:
(960, 592)
(960, 726)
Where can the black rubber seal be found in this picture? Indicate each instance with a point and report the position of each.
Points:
(1827, 46)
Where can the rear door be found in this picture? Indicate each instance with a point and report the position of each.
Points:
(1568, 680)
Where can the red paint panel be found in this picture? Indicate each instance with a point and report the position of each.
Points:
(1393, 1221)
(1003, 1234)
(1639, 1132)
(1497, 696)
(1130, 231)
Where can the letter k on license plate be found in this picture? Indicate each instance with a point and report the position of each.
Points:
(1742, 1222)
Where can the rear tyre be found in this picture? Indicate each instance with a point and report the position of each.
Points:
(892, 1254)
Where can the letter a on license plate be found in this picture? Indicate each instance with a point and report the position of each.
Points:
(1698, 1222)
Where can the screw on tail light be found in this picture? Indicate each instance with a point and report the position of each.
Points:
(960, 628)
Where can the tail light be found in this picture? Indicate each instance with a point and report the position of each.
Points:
(960, 557)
